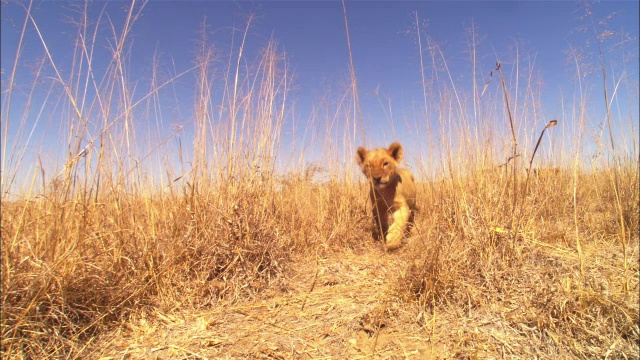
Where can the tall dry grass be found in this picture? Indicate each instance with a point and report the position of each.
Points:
(127, 223)
(541, 250)
(118, 228)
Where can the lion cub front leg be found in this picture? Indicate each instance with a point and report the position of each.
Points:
(396, 231)
(380, 225)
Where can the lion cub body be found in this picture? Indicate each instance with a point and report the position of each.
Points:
(392, 193)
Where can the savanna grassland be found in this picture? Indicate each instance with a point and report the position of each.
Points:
(208, 247)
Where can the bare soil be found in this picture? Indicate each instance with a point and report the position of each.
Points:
(337, 307)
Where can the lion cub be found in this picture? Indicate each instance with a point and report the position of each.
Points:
(393, 193)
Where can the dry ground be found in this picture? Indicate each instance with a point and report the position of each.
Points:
(347, 304)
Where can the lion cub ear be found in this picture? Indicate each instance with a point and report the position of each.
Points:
(395, 150)
(362, 153)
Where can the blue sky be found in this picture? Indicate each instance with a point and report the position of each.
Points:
(312, 34)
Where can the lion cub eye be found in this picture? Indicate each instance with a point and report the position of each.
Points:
(386, 163)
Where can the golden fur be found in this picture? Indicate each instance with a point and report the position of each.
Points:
(392, 193)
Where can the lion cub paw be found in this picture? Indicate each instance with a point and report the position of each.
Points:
(394, 240)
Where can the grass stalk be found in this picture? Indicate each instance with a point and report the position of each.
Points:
(354, 84)
(551, 123)
(514, 145)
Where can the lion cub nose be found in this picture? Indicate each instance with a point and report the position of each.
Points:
(377, 179)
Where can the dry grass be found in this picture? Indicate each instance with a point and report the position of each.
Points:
(218, 254)
(70, 269)
(95, 274)
(530, 281)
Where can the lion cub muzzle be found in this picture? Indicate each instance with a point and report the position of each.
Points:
(380, 181)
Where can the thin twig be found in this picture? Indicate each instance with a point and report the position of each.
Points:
(313, 285)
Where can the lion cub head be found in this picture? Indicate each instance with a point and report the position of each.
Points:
(380, 165)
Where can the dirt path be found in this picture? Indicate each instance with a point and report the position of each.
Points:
(338, 319)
